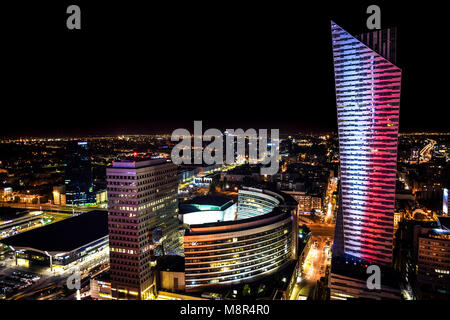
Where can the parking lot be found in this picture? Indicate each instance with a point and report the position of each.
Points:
(16, 281)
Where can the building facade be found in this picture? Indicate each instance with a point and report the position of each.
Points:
(368, 103)
(306, 203)
(143, 223)
(344, 287)
(79, 177)
(433, 265)
(259, 242)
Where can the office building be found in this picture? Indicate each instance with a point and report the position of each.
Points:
(79, 179)
(143, 223)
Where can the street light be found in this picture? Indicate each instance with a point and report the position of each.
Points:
(51, 260)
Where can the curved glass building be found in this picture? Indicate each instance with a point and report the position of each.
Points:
(261, 239)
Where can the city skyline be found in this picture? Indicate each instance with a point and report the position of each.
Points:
(102, 198)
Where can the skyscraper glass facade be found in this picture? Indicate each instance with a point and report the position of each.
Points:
(79, 179)
(368, 105)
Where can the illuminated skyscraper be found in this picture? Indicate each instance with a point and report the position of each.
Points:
(79, 179)
(142, 222)
(368, 104)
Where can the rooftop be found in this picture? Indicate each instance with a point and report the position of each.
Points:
(217, 201)
(355, 268)
(445, 222)
(65, 235)
(137, 163)
(7, 213)
(238, 225)
(170, 263)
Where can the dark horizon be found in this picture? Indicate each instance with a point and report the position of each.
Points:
(285, 130)
(139, 75)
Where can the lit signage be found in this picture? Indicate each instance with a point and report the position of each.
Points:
(445, 202)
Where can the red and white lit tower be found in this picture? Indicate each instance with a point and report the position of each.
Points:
(367, 85)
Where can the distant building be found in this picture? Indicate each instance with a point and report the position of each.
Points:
(79, 179)
(22, 197)
(101, 196)
(59, 195)
(445, 201)
(316, 204)
(242, 173)
(397, 219)
(203, 182)
(306, 203)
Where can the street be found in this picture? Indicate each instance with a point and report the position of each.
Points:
(317, 260)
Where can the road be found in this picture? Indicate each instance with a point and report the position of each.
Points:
(425, 153)
(313, 269)
(50, 207)
(321, 230)
(316, 261)
(56, 279)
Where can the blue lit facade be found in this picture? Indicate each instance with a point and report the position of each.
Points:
(79, 177)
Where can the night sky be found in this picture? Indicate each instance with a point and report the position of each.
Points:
(148, 69)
